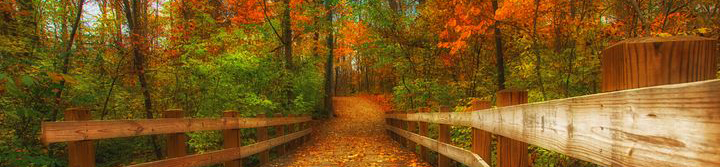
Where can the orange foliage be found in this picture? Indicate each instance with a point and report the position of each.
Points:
(247, 11)
(352, 34)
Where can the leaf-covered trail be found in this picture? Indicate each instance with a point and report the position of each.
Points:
(356, 137)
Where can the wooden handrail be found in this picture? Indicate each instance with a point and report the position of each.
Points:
(53, 132)
(456, 153)
(669, 125)
(220, 156)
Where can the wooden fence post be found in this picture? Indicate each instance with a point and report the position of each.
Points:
(279, 132)
(444, 136)
(175, 142)
(262, 134)
(80, 153)
(232, 139)
(412, 127)
(511, 153)
(292, 128)
(423, 131)
(403, 125)
(642, 62)
(481, 139)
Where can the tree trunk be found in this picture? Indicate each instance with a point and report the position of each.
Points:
(500, 64)
(135, 16)
(287, 36)
(329, 63)
(66, 57)
(287, 45)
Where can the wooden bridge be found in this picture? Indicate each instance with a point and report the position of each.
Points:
(660, 107)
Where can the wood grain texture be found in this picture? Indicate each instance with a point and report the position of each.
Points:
(651, 61)
(232, 139)
(481, 140)
(53, 132)
(175, 142)
(510, 152)
(444, 137)
(215, 157)
(456, 153)
(668, 125)
(261, 134)
(80, 153)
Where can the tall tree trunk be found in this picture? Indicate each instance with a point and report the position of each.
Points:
(287, 36)
(329, 62)
(499, 51)
(135, 16)
(66, 57)
(287, 45)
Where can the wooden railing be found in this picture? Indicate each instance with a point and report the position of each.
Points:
(634, 123)
(78, 131)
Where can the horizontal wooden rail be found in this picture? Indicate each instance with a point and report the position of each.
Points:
(224, 155)
(53, 132)
(456, 153)
(669, 125)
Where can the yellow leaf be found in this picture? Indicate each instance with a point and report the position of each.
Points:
(703, 30)
(664, 35)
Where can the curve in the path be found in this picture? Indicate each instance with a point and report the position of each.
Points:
(355, 138)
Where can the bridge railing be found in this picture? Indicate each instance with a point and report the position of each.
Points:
(79, 132)
(648, 116)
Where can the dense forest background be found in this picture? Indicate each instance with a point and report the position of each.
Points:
(132, 59)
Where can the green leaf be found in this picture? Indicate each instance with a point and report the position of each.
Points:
(27, 81)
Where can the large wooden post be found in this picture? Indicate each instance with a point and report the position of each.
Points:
(232, 139)
(642, 62)
(444, 136)
(80, 153)
(412, 127)
(423, 131)
(262, 134)
(175, 142)
(511, 153)
(279, 132)
(481, 139)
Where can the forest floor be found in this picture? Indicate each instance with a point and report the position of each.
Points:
(355, 138)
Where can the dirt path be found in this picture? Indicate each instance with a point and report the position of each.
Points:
(355, 138)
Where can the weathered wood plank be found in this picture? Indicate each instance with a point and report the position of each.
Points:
(456, 153)
(53, 132)
(668, 125)
(224, 155)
